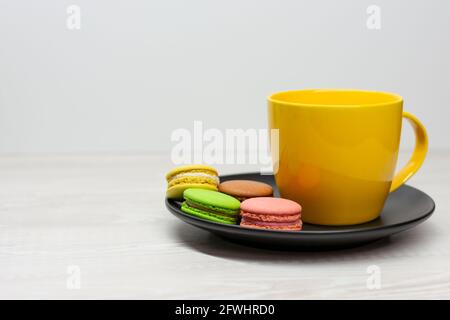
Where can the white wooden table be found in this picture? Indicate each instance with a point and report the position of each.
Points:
(95, 226)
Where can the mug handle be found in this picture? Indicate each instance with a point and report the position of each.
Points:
(418, 156)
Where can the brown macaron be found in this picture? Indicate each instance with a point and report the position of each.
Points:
(245, 189)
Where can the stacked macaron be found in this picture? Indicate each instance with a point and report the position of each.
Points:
(211, 205)
(197, 186)
(246, 189)
(271, 213)
(190, 176)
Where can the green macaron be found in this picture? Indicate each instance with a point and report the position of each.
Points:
(211, 205)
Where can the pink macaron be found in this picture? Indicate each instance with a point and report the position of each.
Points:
(271, 213)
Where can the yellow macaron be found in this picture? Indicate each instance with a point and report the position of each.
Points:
(190, 176)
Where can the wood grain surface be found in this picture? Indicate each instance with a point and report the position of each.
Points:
(104, 215)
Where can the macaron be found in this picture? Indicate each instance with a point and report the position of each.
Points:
(271, 213)
(190, 176)
(211, 205)
(244, 189)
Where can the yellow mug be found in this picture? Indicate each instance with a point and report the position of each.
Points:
(338, 149)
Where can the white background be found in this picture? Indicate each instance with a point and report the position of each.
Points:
(137, 70)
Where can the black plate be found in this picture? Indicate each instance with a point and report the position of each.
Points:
(404, 209)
